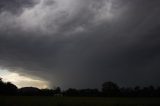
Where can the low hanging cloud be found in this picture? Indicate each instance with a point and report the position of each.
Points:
(82, 43)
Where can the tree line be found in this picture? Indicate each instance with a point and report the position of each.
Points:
(109, 89)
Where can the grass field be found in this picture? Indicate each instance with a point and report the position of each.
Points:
(77, 101)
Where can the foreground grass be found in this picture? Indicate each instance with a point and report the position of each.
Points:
(77, 101)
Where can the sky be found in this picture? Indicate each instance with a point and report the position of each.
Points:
(80, 43)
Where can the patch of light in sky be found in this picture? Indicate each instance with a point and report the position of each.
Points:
(22, 81)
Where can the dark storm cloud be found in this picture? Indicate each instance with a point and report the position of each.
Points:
(86, 48)
(15, 5)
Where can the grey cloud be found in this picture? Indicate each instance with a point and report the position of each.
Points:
(15, 6)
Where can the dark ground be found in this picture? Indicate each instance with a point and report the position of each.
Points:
(76, 101)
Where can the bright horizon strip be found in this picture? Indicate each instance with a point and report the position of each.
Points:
(22, 81)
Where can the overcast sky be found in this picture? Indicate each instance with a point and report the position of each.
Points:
(82, 43)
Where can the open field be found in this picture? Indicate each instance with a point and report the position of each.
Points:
(77, 101)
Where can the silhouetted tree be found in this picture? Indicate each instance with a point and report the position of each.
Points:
(7, 88)
(148, 91)
(29, 91)
(157, 92)
(71, 92)
(137, 91)
(126, 92)
(47, 92)
(11, 88)
(110, 89)
(89, 92)
(57, 90)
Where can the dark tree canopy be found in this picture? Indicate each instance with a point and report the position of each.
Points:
(7, 88)
(110, 89)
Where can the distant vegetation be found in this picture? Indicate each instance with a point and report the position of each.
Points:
(109, 89)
